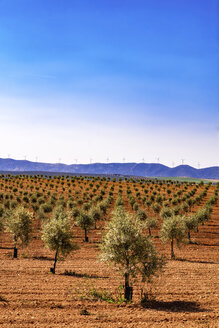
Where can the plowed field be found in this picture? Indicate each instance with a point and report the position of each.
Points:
(185, 295)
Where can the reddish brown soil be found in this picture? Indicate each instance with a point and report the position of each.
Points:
(185, 295)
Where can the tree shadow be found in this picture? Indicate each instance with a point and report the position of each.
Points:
(42, 258)
(3, 300)
(209, 245)
(6, 247)
(82, 275)
(193, 261)
(173, 306)
(195, 242)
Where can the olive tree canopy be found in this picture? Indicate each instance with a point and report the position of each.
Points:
(173, 228)
(125, 245)
(19, 223)
(57, 234)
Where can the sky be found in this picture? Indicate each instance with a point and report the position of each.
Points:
(84, 81)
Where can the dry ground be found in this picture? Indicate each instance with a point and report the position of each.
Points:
(185, 295)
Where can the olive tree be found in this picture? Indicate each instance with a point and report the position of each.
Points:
(156, 208)
(141, 215)
(166, 212)
(185, 207)
(95, 213)
(173, 228)
(85, 221)
(1, 218)
(202, 215)
(151, 223)
(190, 222)
(19, 223)
(57, 234)
(125, 245)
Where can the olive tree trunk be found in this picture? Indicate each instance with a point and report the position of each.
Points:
(15, 248)
(172, 252)
(53, 270)
(189, 236)
(85, 235)
(128, 289)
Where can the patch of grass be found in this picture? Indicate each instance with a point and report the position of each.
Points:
(91, 293)
(9, 255)
(24, 255)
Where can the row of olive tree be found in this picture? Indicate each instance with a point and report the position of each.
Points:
(124, 243)
(174, 227)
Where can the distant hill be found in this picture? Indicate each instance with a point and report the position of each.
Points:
(136, 169)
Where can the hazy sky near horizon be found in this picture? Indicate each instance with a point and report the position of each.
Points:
(112, 80)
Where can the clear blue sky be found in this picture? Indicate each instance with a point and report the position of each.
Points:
(98, 79)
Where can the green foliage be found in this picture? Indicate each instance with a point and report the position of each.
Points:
(202, 215)
(190, 222)
(95, 213)
(14, 204)
(71, 204)
(7, 204)
(93, 294)
(141, 215)
(131, 201)
(125, 245)
(75, 212)
(57, 234)
(185, 207)
(61, 202)
(46, 207)
(151, 223)
(86, 207)
(103, 206)
(156, 208)
(119, 201)
(176, 210)
(19, 223)
(1, 218)
(2, 210)
(173, 228)
(165, 212)
(85, 221)
(135, 207)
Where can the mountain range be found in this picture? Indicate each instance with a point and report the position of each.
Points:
(136, 169)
